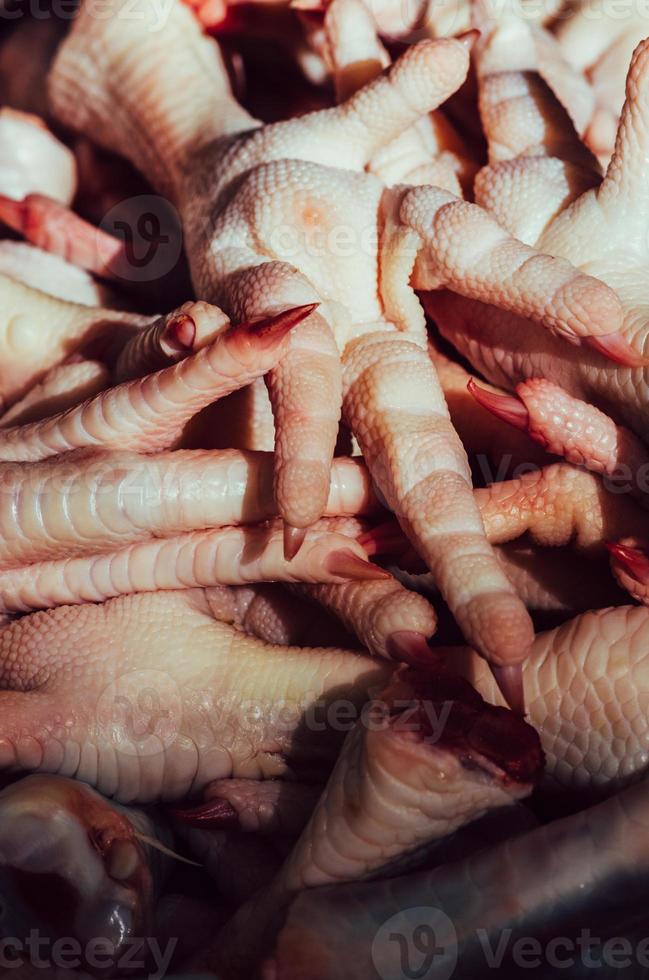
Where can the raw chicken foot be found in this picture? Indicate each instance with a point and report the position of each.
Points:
(148, 414)
(147, 697)
(547, 196)
(235, 183)
(430, 757)
(566, 426)
(225, 556)
(89, 502)
(584, 869)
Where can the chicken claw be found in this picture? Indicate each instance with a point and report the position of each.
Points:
(283, 188)
(568, 427)
(630, 567)
(555, 200)
(148, 414)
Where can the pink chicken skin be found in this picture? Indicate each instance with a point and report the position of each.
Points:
(235, 182)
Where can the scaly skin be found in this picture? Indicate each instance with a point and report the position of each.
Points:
(430, 152)
(567, 210)
(90, 502)
(63, 387)
(585, 688)
(170, 338)
(555, 506)
(400, 783)
(600, 45)
(388, 619)
(80, 854)
(380, 614)
(587, 868)
(558, 505)
(271, 614)
(520, 45)
(227, 556)
(148, 414)
(566, 426)
(236, 183)
(143, 697)
(548, 581)
(500, 451)
(33, 160)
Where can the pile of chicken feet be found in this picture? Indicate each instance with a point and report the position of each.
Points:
(324, 550)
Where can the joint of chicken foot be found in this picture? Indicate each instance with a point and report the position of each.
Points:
(550, 291)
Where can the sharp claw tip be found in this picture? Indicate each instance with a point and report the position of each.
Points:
(411, 647)
(634, 559)
(510, 681)
(616, 348)
(274, 328)
(293, 540)
(216, 812)
(348, 565)
(508, 408)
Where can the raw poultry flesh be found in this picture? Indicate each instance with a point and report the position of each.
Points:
(324, 486)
